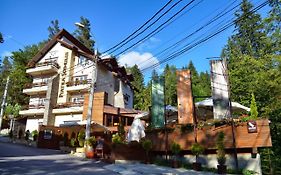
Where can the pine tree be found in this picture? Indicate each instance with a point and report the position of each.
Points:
(170, 85)
(138, 85)
(83, 33)
(253, 108)
(1, 38)
(53, 29)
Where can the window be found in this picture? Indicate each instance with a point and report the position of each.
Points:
(71, 122)
(80, 78)
(82, 60)
(78, 99)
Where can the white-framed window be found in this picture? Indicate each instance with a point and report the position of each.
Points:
(82, 60)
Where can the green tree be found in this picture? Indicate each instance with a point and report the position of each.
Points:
(139, 88)
(83, 33)
(254, 109)
(53, 28)
(18, 74)
(1, 38)
(170, 85)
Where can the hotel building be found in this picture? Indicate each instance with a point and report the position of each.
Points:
(61, 73)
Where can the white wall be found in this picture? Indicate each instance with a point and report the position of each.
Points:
(124, 90)
(32, 124)
(60, 119)
(245, 161)
(105, 83)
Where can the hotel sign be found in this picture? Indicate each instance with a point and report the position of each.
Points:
(63, 75)
(252, 127)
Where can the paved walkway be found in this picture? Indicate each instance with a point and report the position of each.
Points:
(138, 169)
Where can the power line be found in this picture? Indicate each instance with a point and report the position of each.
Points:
(218, 16)
(155, 31)
(187, 48)
(139, 27)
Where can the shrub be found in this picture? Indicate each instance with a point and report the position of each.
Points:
(117, 139)
(220, 149)
(147, 145)
(197, 149)
(73, 142)
(34, 135)
(176, 148)
(81, 138)
(90, 141)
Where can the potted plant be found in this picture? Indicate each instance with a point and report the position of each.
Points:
(196, 150)
(89, 147)
(147, 146)
(81, 138)
(221, 153)
(175, 148)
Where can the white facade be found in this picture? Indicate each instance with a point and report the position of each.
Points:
(61, 77)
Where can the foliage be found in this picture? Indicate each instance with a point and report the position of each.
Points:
(248, 172)
(81, 138)
(13, 110)
(117, 139)
(254, 62)
(170, 85)
(83, 33)
(34, 134)
(220, 148)
(1, 38)
(73, 142)
(147, 145)
(54, 28)
(90, 141)
(253, 107)
(175, 148)
(197, 149)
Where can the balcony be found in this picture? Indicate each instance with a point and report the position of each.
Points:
(80, 85)
(34, 109)
(35, 88)
(47, 67)
(69, 107)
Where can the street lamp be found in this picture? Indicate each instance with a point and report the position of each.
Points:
(91, 95)
(78, 24)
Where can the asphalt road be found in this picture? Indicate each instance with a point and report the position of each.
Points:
(19, 159)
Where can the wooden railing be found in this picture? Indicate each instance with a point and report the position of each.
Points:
(31, 85)
(33, 106)
(68, 104)
(79, 82)
(48, 63)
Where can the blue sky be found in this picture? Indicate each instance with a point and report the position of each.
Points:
(25, 22)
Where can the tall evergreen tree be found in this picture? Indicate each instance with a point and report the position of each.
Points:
(138, 84)
(253, 54)
(1, 38)
(170, 85)
(53, 28)
(83, 33)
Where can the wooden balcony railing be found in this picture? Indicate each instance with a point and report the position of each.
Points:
(79, 82)
(68, 105)
(48, 63)
(31, 85)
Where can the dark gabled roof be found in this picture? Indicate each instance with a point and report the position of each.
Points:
(53, 41)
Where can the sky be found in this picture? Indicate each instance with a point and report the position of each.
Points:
(25, 22)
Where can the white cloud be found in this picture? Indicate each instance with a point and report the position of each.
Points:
(6, 54)
(148, 44)
(141, 60)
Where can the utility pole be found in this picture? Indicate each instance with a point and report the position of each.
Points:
(91, 98)
(4, 101)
